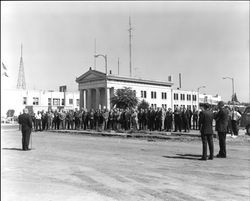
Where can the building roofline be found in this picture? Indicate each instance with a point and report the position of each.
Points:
(138, 80)
(88, 72)
(110, 77)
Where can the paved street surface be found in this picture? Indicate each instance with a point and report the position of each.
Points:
(76, 167)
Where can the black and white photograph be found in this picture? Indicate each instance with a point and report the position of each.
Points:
(125, 101)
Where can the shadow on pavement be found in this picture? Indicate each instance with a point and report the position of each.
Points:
(14, 149)
(184, 156)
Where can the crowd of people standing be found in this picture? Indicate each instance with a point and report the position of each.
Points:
(160, 119)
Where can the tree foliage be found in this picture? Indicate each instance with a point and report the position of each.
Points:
(10, 113)
(143, 105)
(124, 98)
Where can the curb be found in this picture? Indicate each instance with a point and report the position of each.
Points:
(165, 136)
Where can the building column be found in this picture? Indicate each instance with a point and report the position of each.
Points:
(107, 97)
(112, 94)
(81, 99)
(84, 99)
(88, 99)
(97, 98)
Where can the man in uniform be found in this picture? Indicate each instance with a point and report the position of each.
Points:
(206, 122)
(26, 126)
(221, 126)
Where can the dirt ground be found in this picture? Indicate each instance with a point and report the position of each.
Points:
(74, 167)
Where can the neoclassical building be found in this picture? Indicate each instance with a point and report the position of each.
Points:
(97, 88)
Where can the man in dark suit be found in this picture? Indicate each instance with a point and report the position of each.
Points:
(206, 122)
(26, 124)
(221, 126)
(177, 120)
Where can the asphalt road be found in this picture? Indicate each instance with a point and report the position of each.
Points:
(69, 167)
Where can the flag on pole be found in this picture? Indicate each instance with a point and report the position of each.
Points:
(4, 67)
(5, 74)
(4, 70)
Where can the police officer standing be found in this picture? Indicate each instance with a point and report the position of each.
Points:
(26, 126)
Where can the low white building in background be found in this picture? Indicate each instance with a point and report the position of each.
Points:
(37, 100)
(96, 89)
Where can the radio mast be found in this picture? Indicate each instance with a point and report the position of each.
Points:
(21, 78)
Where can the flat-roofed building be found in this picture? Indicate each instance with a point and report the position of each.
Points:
(38, 100)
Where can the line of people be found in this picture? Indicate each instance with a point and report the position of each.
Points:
(160, 119)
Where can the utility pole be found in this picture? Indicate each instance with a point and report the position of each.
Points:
(180, 80)
(95, 57)
(130, 48)
(231, 78)
(118, 66)
(198, 93)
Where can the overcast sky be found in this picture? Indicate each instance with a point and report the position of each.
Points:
(204, 41)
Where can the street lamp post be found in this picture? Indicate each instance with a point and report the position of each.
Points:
(198, 89)
(231, 78)
(106, 61)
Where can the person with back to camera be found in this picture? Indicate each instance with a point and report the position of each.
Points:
(26, 126)
(221, 126)
(206, 129)
(235, 118)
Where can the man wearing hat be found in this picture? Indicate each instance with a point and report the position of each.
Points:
(26, 124)
(221, 126)
(206, 129)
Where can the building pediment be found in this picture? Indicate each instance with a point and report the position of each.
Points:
(91, 75)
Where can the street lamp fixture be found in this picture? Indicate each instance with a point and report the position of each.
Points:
(105, 58)
(198, 89)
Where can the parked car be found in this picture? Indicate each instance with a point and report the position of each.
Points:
(245, 119)
(9, 120)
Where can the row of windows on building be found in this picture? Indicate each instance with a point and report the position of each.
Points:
(164, 96)
(182, 97)
(54, 101)
(153, 95)
(165, 106)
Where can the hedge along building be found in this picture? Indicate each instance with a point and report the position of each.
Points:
(97, 88)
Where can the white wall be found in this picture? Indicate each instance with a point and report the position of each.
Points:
(148, 88)
(193, 103)
(13, 99)
(170, 102)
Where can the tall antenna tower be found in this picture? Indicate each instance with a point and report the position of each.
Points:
(130, 48)
(21, 78)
